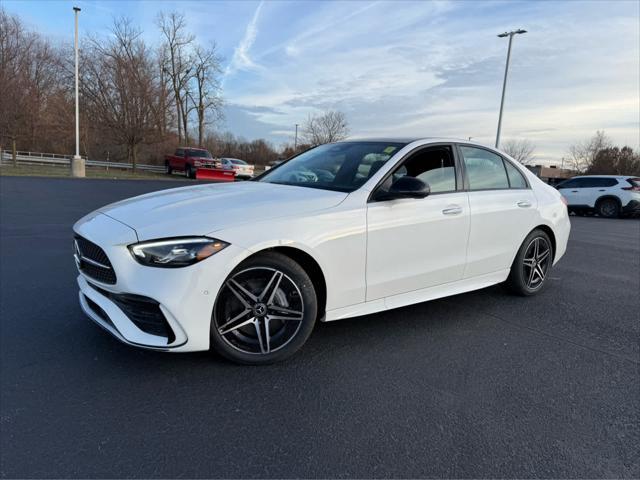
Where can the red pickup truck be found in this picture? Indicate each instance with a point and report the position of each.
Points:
(188, 160)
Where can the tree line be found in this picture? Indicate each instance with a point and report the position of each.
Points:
(137, 100)
(596, 155)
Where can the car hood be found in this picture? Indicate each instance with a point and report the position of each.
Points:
(203, 209)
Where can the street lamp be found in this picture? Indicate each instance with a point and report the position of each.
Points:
(506, 70)
(77, 163)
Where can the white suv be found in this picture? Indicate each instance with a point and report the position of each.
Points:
(607, 195)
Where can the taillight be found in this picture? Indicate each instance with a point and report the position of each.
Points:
(632, 189)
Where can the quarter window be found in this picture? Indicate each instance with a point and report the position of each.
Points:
(485, 170)
(516, 179)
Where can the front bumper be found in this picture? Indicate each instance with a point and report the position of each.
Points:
(184, 296)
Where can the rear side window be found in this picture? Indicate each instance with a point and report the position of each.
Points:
(595, 182)
(516, 179)
(180, 152)
(605, 182)
(485, 169)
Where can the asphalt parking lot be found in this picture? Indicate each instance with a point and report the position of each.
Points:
(478, 385)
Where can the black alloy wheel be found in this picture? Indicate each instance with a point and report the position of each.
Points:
(265, 311)
(532, 264)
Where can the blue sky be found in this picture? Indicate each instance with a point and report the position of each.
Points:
(431, 68)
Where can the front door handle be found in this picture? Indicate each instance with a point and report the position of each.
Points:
(574, 191)
(452, 210)
(523, 204)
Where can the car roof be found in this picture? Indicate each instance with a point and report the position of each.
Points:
(603, 176)
(408, 140)
(193, 148)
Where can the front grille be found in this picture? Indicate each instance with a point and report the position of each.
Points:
(144, 312)
(93, 262)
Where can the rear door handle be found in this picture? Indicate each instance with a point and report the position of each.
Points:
(452, 210)
(523, 204)
(574, 191)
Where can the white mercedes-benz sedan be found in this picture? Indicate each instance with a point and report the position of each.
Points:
(341, 230)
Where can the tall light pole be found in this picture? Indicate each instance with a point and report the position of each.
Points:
(77, 163)
(506, 71)
(295, 141)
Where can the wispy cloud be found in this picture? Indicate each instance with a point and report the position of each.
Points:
(435, 68)
(241, 59)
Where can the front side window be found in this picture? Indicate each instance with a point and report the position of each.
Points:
(485, 170)
(435, 166)
(516, 179)
(573, 183)
(343, 166)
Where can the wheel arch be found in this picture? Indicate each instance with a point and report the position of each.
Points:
(607, 197)
(552, 236)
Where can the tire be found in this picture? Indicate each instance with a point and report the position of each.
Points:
(168, 168)
(244, 327)
(531, 267)
(188, 171)
(608, 208)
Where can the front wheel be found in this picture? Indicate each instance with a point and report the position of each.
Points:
(532, 264)
(265, 310)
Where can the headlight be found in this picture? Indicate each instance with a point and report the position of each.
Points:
(175, 252)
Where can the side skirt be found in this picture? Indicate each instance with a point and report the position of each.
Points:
(417, 296)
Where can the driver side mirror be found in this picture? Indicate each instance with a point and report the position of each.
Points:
(405, 187)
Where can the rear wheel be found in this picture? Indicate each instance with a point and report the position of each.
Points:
(167, 168)
(608, 208)
(265, 311)
(532, 264)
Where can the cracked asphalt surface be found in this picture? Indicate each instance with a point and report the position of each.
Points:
(483, 384)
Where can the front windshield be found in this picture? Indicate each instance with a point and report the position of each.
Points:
(199, 153)
(344, 166)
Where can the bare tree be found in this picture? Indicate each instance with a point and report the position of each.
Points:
(521, 150)
(205, 96)
(583, 154)
(121, 88)
(330, 126)
(33, 90)
(177, 65)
